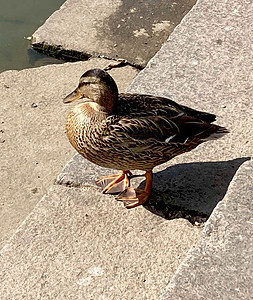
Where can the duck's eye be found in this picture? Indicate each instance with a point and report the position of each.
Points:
(84, 83)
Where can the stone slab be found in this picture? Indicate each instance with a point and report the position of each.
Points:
(33, 144)
(220, 267)
(193, 187)
(79, 244)
(130, 30)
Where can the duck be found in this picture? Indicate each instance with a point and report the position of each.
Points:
(129, 132)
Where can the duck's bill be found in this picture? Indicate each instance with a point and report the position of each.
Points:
(75, 95)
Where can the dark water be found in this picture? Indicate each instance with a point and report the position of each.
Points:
(19, 19)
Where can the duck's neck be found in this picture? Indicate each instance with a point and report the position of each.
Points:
(86, 113)
(81, 120)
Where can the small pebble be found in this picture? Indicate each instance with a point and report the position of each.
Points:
(223, 106)
(2, 141)
(34, 191)
(34, 105)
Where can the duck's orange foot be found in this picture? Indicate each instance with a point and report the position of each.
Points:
(133, 197)
(113, 184)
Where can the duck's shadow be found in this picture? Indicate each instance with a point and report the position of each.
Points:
(191, 190)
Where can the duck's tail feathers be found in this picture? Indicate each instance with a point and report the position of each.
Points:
(216, 134)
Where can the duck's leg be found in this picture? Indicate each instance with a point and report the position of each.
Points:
(133, 197)
(114, 183)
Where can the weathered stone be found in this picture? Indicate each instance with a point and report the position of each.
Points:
(220, 267)
(79, 244)
(130, 30)
(191, 186)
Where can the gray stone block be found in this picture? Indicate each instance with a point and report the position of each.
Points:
(79, 244)
(195, 187)
(220, 266)
(130, 30)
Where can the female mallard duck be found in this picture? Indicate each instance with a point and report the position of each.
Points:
(131, 132)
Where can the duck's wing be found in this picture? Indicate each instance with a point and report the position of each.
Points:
(144, 142)
(145, 129)
(156, 129)
(136, 105)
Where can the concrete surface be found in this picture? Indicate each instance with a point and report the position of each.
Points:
(79, 244)
(33, 144)
(220, 267)
(194, 187)
(131, 30)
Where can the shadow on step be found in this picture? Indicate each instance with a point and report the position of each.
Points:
(191, 190)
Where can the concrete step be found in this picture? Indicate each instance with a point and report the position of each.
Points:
(133, 31)
(190, 188)
(220, 266)
(79, 244)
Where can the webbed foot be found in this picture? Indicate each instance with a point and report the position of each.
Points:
(113, 184)
(133, 197)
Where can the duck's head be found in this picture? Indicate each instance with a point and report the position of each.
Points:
(97, 86)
